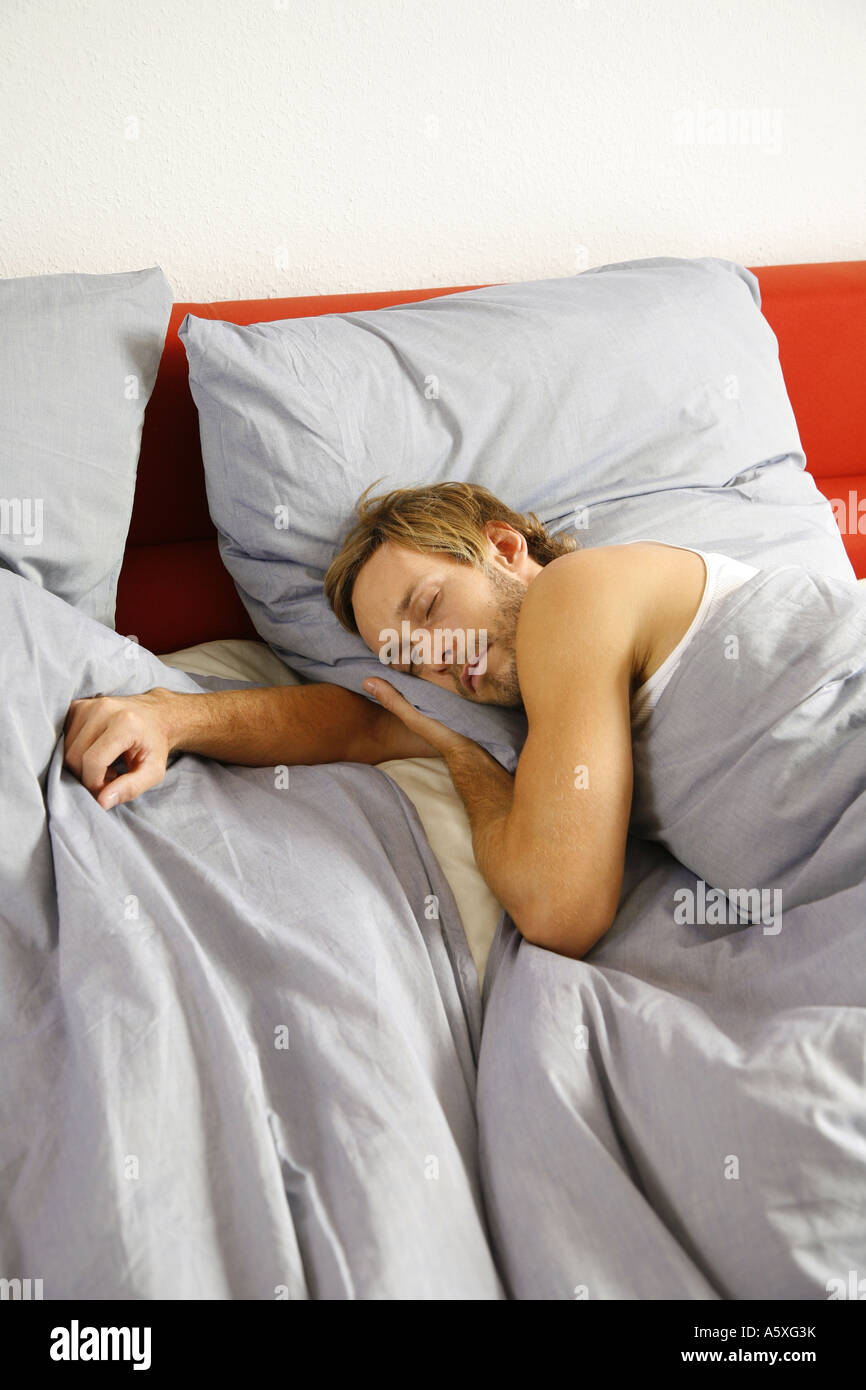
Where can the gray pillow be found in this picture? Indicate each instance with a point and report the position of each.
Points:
(637, 399)
(78, 360)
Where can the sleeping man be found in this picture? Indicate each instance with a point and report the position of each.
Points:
(500, 612)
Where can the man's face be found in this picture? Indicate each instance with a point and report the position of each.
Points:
(454, 615)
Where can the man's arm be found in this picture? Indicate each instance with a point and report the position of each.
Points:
(562, 844)
(261, 727)
(550, 841)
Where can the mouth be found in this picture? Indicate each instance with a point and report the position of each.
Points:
(470, 676)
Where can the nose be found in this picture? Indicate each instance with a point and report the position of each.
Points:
(448, 666)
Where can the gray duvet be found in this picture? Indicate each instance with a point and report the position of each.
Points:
(242, 1033)
(238, 1043)
(682, 1114)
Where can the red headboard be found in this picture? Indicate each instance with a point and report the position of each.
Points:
(174, 591)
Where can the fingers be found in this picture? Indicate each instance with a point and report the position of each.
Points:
(103, 731)
(438, 735)
(97, 759)
(128, 785)
(384, 690)
(86, 721)
(394, 701)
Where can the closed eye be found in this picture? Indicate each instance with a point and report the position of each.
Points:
(432, 605)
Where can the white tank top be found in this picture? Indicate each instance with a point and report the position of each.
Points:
(723, 576)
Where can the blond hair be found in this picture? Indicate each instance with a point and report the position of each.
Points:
(448, 518)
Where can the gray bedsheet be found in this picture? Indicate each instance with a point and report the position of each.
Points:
(238, 1043)
(682, 1114)
(244, 1059)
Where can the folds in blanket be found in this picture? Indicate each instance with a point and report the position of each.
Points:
(751, 770)
(243, 1050)
(50, 655)
(674, 1117)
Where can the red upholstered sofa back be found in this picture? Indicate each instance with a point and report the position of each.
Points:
(173, 589)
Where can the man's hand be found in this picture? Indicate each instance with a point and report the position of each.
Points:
(439, 736)
(260, 727)
(107, 727)
(484, 786)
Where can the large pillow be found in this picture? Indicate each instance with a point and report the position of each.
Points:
(78, 360)
(643, 399)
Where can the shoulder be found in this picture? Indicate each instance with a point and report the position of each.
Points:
(589, 583)
(585, 614)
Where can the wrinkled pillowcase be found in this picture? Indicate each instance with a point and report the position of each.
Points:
(638, 399)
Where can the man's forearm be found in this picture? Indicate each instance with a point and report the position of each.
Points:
(266, 726)
(487, 792)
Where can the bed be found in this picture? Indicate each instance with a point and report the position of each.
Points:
(271, 1036)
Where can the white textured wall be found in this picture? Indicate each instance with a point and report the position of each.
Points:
(275, 147)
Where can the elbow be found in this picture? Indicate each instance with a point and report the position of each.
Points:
(568, 930)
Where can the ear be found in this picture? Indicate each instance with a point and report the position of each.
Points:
(509, 545)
